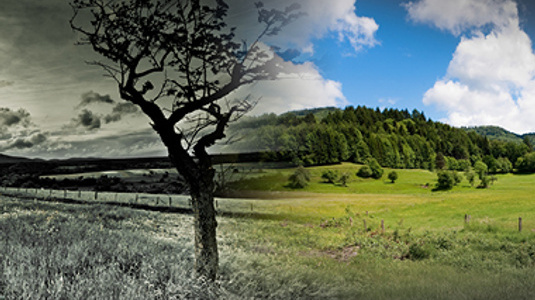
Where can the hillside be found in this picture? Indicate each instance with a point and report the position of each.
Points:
(500, 134)
(5, 159)
(395, 138)
(495, 133)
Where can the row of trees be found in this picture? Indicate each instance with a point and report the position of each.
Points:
(395, 138)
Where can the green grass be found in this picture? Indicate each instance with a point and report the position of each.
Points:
(427, 250)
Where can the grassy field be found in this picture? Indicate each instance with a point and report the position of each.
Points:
(295, 244)
(427, 251)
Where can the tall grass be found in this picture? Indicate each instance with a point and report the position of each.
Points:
(61, 251)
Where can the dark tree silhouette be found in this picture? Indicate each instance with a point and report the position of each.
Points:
(179, 61)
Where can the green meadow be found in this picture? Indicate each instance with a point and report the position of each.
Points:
(426, 251)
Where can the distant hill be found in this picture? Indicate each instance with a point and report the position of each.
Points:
(500, 134)
(5, 159)
(319, 113)
(495, 133)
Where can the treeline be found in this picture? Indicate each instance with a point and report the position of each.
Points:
(395, 138)
(152, 184)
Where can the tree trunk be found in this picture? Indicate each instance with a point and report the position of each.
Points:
(199, 176)
(204, 214)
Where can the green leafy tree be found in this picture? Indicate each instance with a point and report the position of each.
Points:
(440, 161)
(504, 165)
(481, 169)
(526, 163)
(393, 176)
(300, 178)
(470, 177)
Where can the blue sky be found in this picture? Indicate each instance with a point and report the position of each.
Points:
(407, 61)
(396, 73)
(462, 62)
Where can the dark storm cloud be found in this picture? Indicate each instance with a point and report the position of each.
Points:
(92, 97)
(86, 119)
(9, 117)
(30, 141)
(120, 110)
(142, 143)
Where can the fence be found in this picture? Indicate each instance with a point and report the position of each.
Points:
(161, 201)
(151, 201)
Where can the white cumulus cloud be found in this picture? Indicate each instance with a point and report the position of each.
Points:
(490, 79)
(458, 16)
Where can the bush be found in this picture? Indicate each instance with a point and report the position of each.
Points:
(484, 183)
(419, 252)
(365, 172)
(300, 178)
(446, 180)
(457, 178)
(377, 170)
(470, 176)
(344, 178)
(371, 169)
(329, 176)
(393, 176)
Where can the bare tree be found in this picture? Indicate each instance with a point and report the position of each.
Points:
(179, 61)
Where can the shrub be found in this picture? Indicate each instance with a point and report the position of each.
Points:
(343, 179)
(329, 176)
(300, 178)
(419, 252)
(470, 176)
(377, 170)
(393, 176)
(446, 180)
(365, 172)
(457, 178)
(484, 183)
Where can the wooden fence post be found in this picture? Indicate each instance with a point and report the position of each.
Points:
(170, 201)
(96, 195)
(383, 226)
(520, 224)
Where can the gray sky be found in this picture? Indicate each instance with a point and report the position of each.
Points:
(54, 105)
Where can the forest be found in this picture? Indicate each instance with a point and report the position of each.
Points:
(395, 138)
